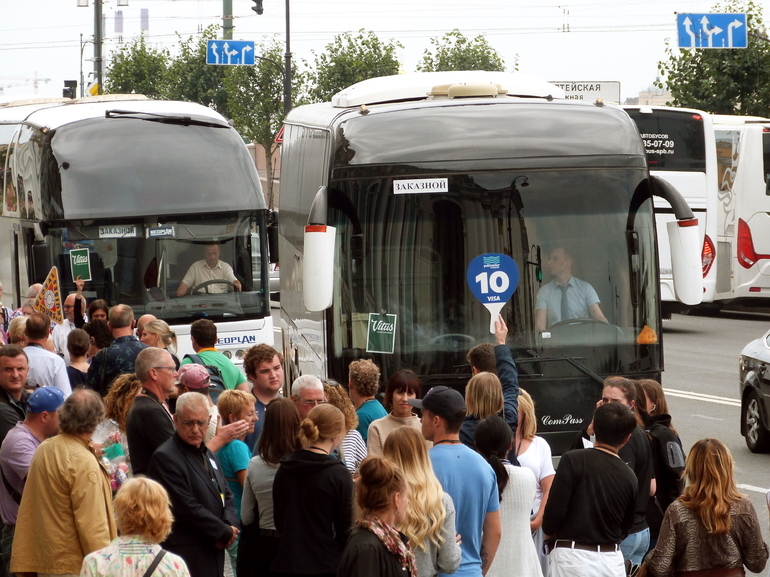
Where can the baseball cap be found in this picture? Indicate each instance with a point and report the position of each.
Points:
(441, 401)
(194, 376)
(45, 399)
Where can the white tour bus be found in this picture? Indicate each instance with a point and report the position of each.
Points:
(144, 185)
(680, 148)
(743, 159)
(391, 190)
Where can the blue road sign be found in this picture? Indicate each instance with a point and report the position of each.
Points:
(230, 52)
(712, 30)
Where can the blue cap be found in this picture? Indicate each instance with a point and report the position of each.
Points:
(45, 399)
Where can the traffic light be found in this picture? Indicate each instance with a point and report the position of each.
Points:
(257, 6)
(70, 88)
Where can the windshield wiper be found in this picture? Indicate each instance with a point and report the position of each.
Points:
(574, 361)
(164, 118)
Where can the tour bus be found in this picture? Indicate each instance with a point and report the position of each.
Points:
(743, 160)
(680, 148)
(145, 186)
(391, 191)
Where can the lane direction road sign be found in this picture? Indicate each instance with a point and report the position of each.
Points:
(230, 52)
(712, 30)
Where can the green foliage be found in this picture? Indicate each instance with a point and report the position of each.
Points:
(255, 100)
(722, 81)
(456, 52)
(191, 79)
(137, 68)
(350, 59)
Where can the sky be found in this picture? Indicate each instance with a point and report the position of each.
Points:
(578, 40)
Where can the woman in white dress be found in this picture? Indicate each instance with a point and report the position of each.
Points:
(534, 453)
(516, 554)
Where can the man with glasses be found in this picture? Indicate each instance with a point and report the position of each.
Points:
(150, 423)
(60, 332)
(307, 391)
(205, 523)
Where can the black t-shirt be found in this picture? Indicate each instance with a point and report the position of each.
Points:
(637, 454)
(592, 499)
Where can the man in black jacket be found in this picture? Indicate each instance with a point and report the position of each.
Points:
(14, 368)
(204, 515)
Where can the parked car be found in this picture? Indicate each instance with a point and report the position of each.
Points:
(755, 394)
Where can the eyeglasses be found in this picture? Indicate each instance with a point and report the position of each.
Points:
(190, 423)
(314, 402)
(69, 306)
(167, 368)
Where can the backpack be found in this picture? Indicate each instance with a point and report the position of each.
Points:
(216, 382)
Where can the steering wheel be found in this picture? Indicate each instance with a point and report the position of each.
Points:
(571, 322)
(231, 288)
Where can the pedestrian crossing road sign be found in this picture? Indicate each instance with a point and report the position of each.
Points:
(712, 30)
(230, 52)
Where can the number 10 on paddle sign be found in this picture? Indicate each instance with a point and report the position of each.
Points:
(492, 278)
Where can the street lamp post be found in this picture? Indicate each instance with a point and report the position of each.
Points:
(287, 57)
(98, 41)
(82, 79)
(287, 73)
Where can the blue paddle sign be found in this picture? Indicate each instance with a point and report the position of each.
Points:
(493, 278)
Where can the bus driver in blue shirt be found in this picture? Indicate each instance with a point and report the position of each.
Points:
(565, 297)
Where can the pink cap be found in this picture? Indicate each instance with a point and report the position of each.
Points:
(194, 376)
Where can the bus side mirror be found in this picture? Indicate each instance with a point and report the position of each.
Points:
(685, 241)
(318, 257)
(318, 267)
(686, 244)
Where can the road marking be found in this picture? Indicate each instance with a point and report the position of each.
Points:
(703, 397)
(708, 417)
(753, 489)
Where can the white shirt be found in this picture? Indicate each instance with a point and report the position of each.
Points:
(200, 272)
(59, 336)
(580, 296)
(47, 369)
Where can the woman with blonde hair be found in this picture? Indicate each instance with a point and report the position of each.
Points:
(352, 449)
(429, 522)
(144, 519)
(313, 498)
(488, 394)
(711, 529)
(534, 453)
(376, 548)
(158, 334)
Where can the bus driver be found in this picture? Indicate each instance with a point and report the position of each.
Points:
(208, 269)
(565, 297)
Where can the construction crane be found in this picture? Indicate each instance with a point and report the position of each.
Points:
(20, 81)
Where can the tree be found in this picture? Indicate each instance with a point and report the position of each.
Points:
(349, 59)
(191, 79)
(722, 81)
(255, 101)
(456, 52)
(137, 68)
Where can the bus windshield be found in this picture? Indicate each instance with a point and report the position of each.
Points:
(407, 254)
(143, 262)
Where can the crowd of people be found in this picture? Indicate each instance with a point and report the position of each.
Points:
(223, 470)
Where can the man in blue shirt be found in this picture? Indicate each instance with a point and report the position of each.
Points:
(565, 297)
(466, 476)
